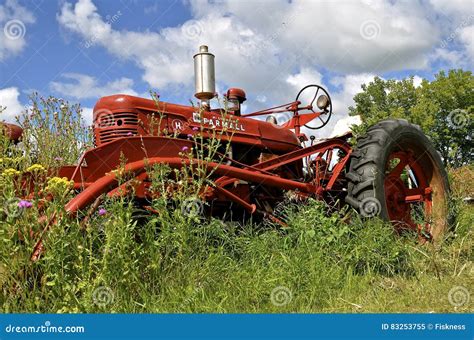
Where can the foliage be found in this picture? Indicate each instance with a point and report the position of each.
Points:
(443, 108)
(57, 126)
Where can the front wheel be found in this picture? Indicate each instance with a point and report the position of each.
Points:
(396, 173)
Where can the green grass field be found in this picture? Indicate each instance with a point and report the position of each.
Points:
(318, 264)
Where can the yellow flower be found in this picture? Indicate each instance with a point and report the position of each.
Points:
(10, 172)
(35, 168)
(58, 185)
(119, 173)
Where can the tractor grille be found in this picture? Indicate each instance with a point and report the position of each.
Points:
(112, 126)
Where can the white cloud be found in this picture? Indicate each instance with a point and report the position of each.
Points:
(456, 20)
(450, 7)
(83, 86)
(87, 113)
(467, 37)
(343, 125)
(263, 45)
(9, 99)
(345, 36)
(417, 80)
(349, 86)
(450, 57)
(305, 77)
(13, 24)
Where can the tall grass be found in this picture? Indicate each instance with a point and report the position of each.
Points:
(123, 260)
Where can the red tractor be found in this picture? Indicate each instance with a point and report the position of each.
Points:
(393, 171)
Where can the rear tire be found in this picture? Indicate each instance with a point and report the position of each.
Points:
(396, 173)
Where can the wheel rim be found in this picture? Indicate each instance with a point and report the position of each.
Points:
(409, 185)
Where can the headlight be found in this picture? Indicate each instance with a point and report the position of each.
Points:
(322, 102)
(271, 119)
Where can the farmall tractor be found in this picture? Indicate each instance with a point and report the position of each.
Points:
(392, 172)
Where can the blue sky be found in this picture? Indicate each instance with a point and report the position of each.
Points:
(84, 49)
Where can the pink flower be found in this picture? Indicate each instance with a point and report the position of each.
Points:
(129, 134)
(195, 128)
(184, 148)
(102, 212)
(190, 135)
(23, 204)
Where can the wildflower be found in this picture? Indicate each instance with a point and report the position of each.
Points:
(8, 160)
(58, 185)
(35, 168)
(118, 173)
(184, 148)
(23, 204)
(10, 172)
(195, 128)
(102, 212)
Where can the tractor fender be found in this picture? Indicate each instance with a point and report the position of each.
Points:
(110, 181)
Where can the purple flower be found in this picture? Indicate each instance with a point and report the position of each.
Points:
(23, 204)
(195, 128)
(184, 148)
(102, 212)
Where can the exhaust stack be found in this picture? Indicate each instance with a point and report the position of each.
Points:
(205, 79)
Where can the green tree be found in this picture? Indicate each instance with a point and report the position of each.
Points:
(443, 108)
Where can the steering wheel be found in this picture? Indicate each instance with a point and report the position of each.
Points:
(326, 109)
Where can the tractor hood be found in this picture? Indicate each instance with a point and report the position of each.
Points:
(121, 115)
